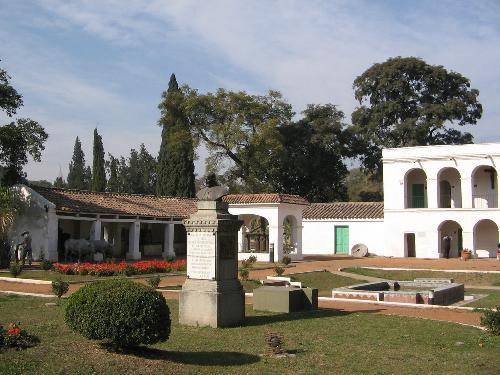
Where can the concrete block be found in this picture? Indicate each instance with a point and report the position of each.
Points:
(284, 299)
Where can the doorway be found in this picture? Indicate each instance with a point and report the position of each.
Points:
(410, 245)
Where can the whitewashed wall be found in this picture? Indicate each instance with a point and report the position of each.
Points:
(318, 236)
(424, 222)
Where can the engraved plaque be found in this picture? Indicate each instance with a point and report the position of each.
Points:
(201, 255)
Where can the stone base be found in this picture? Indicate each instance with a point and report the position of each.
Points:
(212, 303)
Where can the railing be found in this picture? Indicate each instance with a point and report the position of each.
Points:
(485, 200)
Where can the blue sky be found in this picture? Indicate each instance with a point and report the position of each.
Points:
(82, 64)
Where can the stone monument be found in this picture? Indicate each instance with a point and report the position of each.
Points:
(212, 294)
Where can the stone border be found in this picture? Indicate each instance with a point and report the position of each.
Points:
(420, 269)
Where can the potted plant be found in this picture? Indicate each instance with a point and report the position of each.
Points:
(466, 254)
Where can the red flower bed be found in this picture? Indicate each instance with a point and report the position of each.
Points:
(122, 268)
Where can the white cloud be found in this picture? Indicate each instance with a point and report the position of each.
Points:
(309, 50)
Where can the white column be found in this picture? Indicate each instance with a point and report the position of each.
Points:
(432, 193)
(96, 230)
(299, 240)
(466, 185)
(168, 241)
(240, 240)
(276, 238)
(134, 237)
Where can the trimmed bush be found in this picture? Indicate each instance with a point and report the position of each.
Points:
(154, 281)
(121, 312)
(252, 259)
(491, 320)
(286, 260)
(15, 269)
(278, 270)
(59, 288)
(244, 273)
(45, 264)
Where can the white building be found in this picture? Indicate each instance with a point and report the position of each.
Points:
(441, 197)
(336, 228)
(146, 226)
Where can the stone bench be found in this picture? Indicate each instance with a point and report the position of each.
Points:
(284, 299)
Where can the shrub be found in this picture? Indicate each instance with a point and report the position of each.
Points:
(278, 270)
(491, 320)
(286, 260)
(245, 263)
(121, 312)
(17, 338)
(122, 268)
(15, 269)
(154, 281)
(59, 288)
(244, 273)
(252, 259)
(45, 264)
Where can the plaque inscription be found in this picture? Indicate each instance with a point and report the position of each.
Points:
(201, 255)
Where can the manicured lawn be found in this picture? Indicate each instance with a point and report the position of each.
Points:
(51, 275)
(466, 278)
(324, 281)
(323, 341)
(492, 300)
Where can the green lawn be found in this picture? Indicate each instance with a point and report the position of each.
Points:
(51, 275)
(323, 341)
(466, 278)
(324, 281)
(492, 300)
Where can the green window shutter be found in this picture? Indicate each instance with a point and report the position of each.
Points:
(418, 196)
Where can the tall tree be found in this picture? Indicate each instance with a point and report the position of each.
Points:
(312, 163)
(176, 158)
(241, 132)
(112, 167)
(98, 171)
(19, 138)
(77, 174)
(147, 168)
(87, 178)
(361, 186)
(59, 182)
(406, 102)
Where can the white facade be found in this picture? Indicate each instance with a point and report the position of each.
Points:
(275, 215)
(440, 198)
(318, 236)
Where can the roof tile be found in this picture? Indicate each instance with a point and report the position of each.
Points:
(345, 210)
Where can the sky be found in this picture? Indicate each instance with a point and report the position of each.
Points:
(85, 64)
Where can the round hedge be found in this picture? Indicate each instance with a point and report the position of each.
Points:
(120, 311)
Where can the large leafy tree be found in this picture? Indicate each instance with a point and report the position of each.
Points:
(241, 132)
(98, 169)
(19, 138)
(406, 102)
(314, 150)
(78, 175)
(176, 157)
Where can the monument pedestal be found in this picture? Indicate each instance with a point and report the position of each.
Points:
(212, 294)
(212, 303)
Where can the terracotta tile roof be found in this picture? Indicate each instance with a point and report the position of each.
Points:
(79, 201)
(264, 198)
(345, 210)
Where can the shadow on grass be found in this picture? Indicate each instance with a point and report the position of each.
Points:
(189, 358)
(269, 318)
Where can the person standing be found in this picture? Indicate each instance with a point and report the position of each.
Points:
(26, 248)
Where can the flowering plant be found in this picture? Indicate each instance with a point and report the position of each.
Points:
(17, 338)
(122, 268)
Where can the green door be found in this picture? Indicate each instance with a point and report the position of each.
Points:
(341, 240)
(418, 196)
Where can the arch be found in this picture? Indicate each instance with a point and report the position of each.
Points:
(450, 239)
(485, 238)
(290, 235)
(449, 188)
(415, 184)
(484, 180)
(254, 234)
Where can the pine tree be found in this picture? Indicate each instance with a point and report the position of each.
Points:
(147, 168)
(87, 178)
(112, 166)
(176, 157)
(76, 174)
(98, 172)
(134, 178)
(59, 182)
